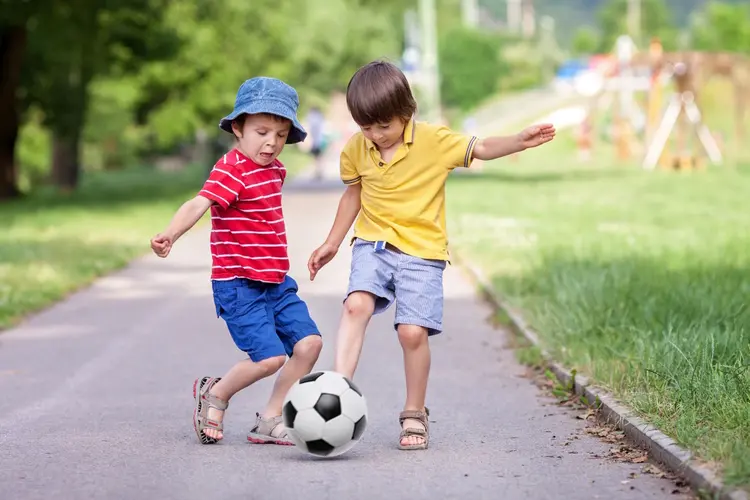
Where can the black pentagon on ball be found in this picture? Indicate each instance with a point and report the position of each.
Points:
(289, 413)
(320, 447)
(310, 377)
(359, 428)
(352, 386)
(328, 406)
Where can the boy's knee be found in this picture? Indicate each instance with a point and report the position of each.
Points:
(272, 365)
(308, 348)
(411, 336)
(359, 304)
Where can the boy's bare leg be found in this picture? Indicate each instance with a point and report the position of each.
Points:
(304, 356)
(358, 309)
(240, 376)
(417, 359)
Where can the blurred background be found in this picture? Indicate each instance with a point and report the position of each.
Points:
(94, 85)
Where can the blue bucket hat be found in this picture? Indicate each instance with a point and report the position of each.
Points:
(267, 95)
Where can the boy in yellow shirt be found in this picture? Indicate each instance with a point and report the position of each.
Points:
(395, 170)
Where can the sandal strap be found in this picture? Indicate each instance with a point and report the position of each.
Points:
(415, 415)
(413, 431)
(269, 425)
(214, 402)
(214, 424)
(211, 400)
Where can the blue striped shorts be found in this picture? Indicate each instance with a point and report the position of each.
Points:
(413, 283)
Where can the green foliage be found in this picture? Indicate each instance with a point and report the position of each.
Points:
(111, 138)
(314, 45)
(585, 41)
(656, 20)
(130, 78)
(33, 152)
(722, 26)
(127, 78)
(470, 66)
(570, 15)
(525, 65)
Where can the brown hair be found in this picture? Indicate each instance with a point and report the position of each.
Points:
(379, 92)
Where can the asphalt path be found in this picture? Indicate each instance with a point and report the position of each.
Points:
(97, 397)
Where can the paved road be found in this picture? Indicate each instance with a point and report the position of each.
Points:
(96, 399)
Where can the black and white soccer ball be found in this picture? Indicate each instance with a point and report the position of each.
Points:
(325, 413)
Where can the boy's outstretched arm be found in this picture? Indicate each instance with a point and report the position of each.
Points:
(186, 216)
(491, 148)
(349, 207)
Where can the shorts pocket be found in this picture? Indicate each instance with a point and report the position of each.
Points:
(225, 301)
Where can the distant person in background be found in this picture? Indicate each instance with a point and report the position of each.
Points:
(316, 125)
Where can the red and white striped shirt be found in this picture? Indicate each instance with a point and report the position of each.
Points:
(248, 234)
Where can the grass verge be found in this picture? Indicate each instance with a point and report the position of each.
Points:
(53, 244)
(639, 280)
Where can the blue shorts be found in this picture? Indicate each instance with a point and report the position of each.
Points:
(264, 319)
(415, 284)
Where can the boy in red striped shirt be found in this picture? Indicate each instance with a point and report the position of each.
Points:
(252, 291)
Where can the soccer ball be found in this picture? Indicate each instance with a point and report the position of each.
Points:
(325, 414)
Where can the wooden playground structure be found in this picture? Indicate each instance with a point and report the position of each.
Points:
(687, 72)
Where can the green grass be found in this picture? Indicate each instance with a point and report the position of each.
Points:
(52, 244)
(640, 280)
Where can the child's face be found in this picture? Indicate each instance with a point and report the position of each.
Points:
(262, 137)
(385, 135)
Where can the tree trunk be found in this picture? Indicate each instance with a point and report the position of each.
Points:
(12, 48)
(65, 155)
(67, 132)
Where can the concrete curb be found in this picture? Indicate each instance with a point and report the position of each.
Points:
(660, 447)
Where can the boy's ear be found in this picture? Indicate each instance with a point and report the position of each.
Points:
(237, 129)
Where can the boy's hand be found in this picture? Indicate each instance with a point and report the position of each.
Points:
(320, 258)
(536, 135)
(161, 245)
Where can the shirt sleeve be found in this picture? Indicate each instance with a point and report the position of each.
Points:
(223, 185)
(282, 170)
(455, 147)
(349, 173)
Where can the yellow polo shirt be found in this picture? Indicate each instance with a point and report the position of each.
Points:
(403, 201)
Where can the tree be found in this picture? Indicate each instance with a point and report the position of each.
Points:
(14, 19)
(12, 46)
(656, 20)
(164, 69)
(314, 45)
(75, 42)
(722, 27)
(470, 67)
(585, 41)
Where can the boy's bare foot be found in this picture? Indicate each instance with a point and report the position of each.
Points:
(214, 415)
(411, 423)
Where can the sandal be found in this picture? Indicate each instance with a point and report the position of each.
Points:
(413, 431)
(263, 431)
(203, 401)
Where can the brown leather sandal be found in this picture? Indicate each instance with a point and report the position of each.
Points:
(422, 416)
(203, 401)
(265, 431)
